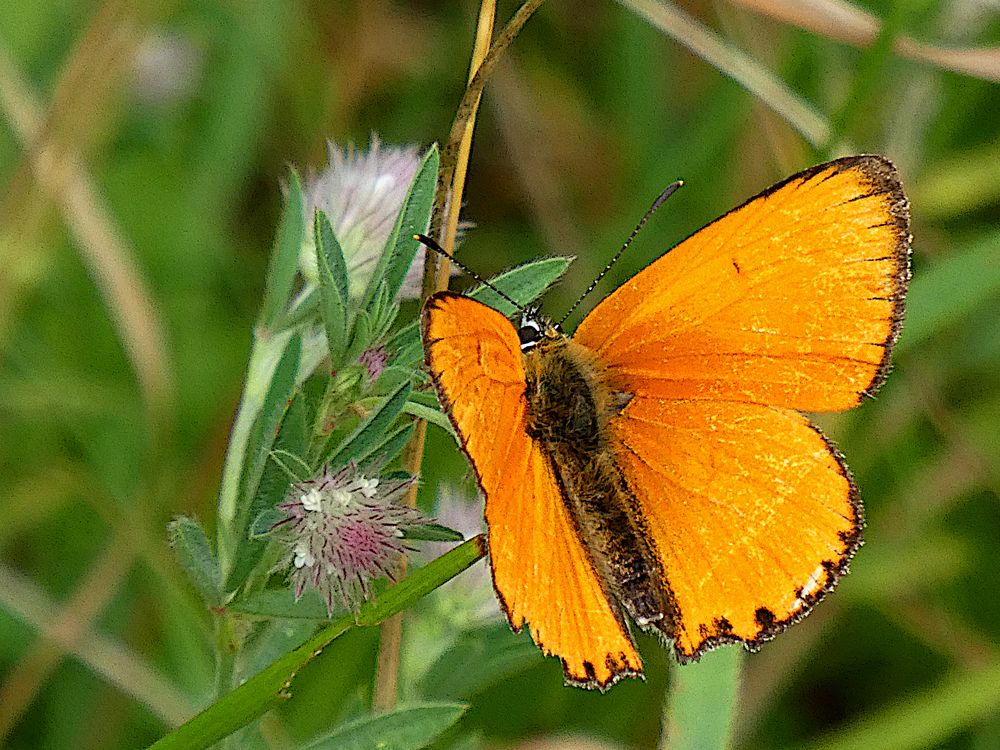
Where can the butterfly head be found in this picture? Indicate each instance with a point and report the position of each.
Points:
(535, 328)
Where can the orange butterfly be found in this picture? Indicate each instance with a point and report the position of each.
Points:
(657, 463)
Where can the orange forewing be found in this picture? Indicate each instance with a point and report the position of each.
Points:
(793, 299)
(541, 570)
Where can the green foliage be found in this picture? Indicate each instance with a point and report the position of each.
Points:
(333, 285)
(195, 555)
(432, 532)
(407, 728)
(702, 699)
(117, 391)
(369, 436)
(475, 660)
(285, 257)
(949, 292)
(266, 428)
(269, 687)
(523, 284)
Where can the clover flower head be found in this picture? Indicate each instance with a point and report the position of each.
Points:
(362, 193)
(342, 531)
(374, 360)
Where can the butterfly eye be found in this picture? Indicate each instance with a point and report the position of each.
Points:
(529, 334)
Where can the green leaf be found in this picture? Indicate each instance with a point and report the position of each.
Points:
(523, 284)
(294, 467)
(370, 434)
(361, 336)
(701, 701)
(390, 447)
(280, 603)
(306, 311)
(390, 379)
(263, 523)
(430, 414)
(414, 217)
(477, 659)
(380, 301)
(424, 398)
(432, 532)
(195, 555)
(270, 686)
(333, 283)
(276, 403)
(407, 728)
(285, 256)
(405, 347)
(274, 637)
(948, 291)
(383, 313)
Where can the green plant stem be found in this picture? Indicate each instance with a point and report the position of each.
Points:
(225, 654)
(466, 111)
(227, 648)
(868, 78)
(702, 701)
(391, 636)
(271, 686)
(264, 355)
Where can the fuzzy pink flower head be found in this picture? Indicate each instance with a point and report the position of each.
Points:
(343, 531)
(374, 360)
(362, 193)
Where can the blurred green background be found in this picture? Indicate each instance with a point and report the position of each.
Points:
(142, 149)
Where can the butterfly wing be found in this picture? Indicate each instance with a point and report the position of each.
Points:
(791, 301)
(541, 571)
(752, 512)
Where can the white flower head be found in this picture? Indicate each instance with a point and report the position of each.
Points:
(362, 193)
(312, 500)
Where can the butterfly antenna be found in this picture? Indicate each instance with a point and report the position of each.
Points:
(642, 222)
(427, 242)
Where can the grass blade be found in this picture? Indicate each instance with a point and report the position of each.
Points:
(702, 700)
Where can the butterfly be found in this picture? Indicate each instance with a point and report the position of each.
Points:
(657, 464)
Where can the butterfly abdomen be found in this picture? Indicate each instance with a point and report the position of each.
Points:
(569, 406)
